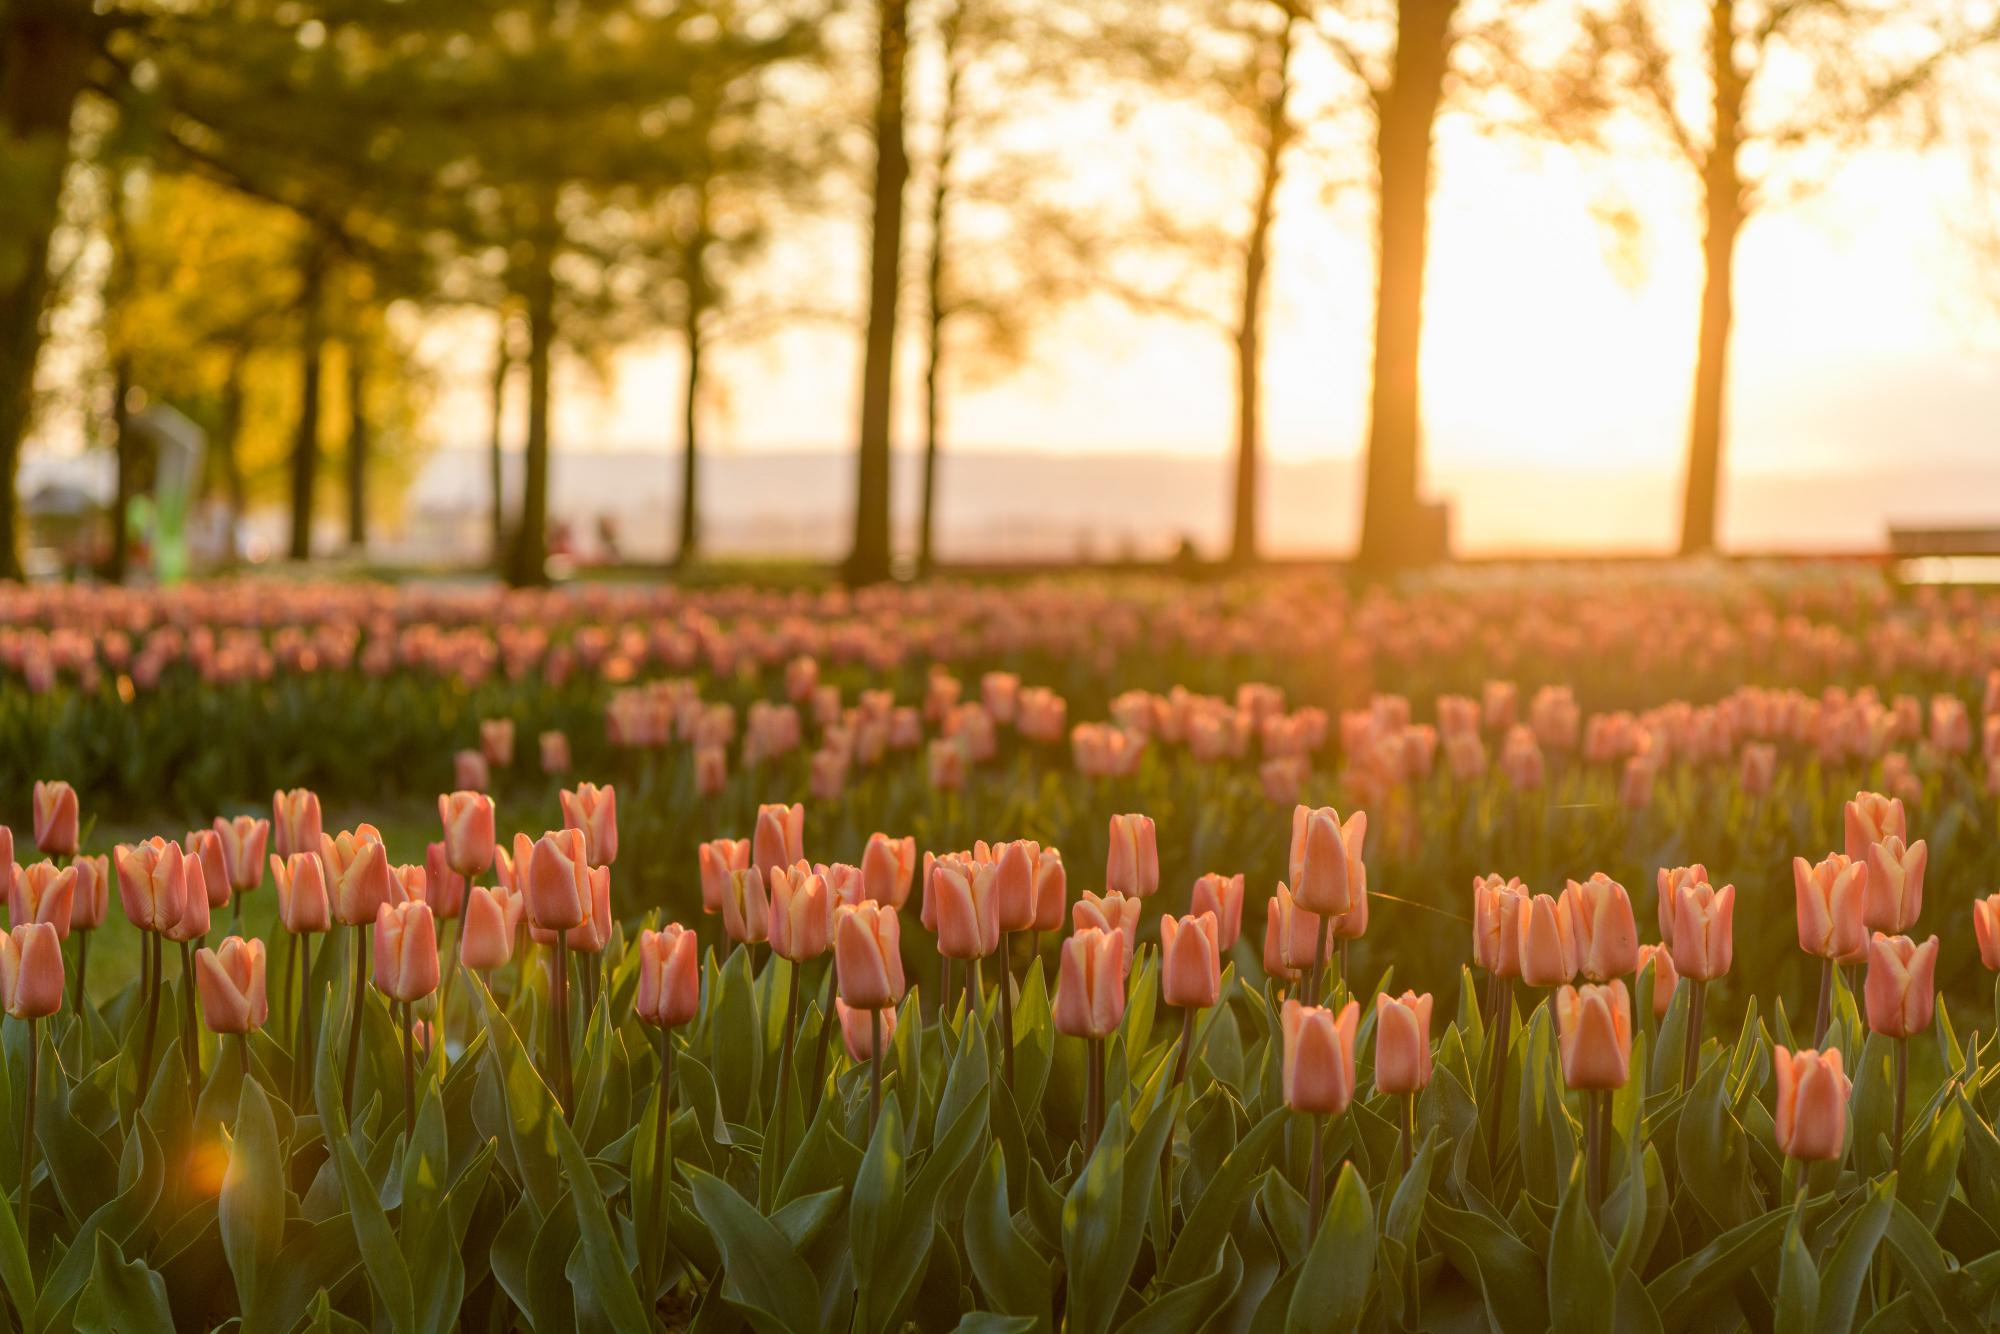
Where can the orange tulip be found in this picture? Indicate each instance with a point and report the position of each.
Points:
(193, 922)
(243, 841)
(857, 1030)
(1901, 989)
(967, 908)
(303, 905)
(93, 892)
(406, 954)
(1132, 867)
(1319, 1057)
(295, 823)
(1607, 939)
(780, 837)
(1014, 883)
(31, 971)
(467, 818)
(1831, 897)
(1324, 857)
(1704, 930)
(801, 913)
(669, 977)
(56, 818)
(230, 981)
(1810, 1119)
(1670, 882)
(357, 874)
(554, 748)
(41, 893)
(1895, 888)
(1547, 941)
(1594, 1034)
(1111, 912)
(1496, 924)
(1986, 929)
(1190, 960)
(1090, 988)
(496, 741)
(1297, 935)
(1402, 1042)
(1051, 891)
(488, 939)
(205, 846)
(718, 857)
(746, 909)
(444, 888)
(557, 885)
(594, 810)
(868, 955)
(152, 883)
(1222, 895)
(1665, 979)
(1870, 818)
(887, 865)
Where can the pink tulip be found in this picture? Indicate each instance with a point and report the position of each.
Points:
(857, 1030)
(801, 913)
(1665, 979)
(967, 908)
(1547, 941)
(1607, 939)
(93, 892)
(554, 747)
(1704, 930)
(1496, 921)
(1090, 987)
(1051, 891)
(746, 908)
(887, 865)
(1594, 1035)
(469, 838)
(1671, 879)
(718, 857)
(295, 822)
(1895, 887)
(557, 885)
(868, 956)
(496, 741)
(41, 893)
(1190, 960)
(1222, 895)
(406, 954)
(230, 982)
(1831, 897)
(780, 838)
(1901, 988)
(1112, 912)
(1986, 929)
(594, 810)
(487, 941)
(31, 971)
(56, 818)
(1402, 1042)
(669, 977)
(303, 905)
(1132, 867)
(1810, 1118)
(1870, 818)
(443, 888)
(243, 841)
(1324, 856)
(1014, 883)
(1319, 1057)
(205, 846)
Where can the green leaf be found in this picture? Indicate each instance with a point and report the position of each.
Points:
(762, 1275)
(611, 1284)
(388, 1271)
(1210, 1219)
(251, 1208)
(1104, 1215)
(122, 1298)
(1688, 1285)
(1332, 1287)
(1011, 1273)
(1797, 1298)
(1582, 1291)
(1188, 1308)
(1506, 1270)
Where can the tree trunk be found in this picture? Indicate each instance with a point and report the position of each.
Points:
(503, 362)
(1390, 535)
(305, 441)
(689, 549)
(45, 51)
(232, 448)
(937, 311)
(1249, 329)
(122, 444)
(1722, 190)
(357, 450)
(869, 560)
(531, 533)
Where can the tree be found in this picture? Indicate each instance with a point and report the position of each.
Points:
(1785, 87)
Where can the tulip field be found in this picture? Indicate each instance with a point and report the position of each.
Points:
(1586, 949)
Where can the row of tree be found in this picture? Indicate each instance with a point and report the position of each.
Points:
(250, 183)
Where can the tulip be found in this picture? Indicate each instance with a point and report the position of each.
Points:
(1014, 884)
(1986, 929)
(1319, 1057)
(496, 741)
(711, 770)
(243, 841)
(1830, 904)
(1547, 941)
(1670, 882)
(746, 911)
(410, 884)
(1810, 1118)
(887, 865)
(230, 980)
(467, 818)
(357, 872)
(669, 977)
(1190, 961)
(594, 810)
(1704, 920)
(1402, 1043)
(31, 971)
(1051, 893)
(1112, 912)
(486, 934)
(1607, 939)
(593, 933)
(1901, 993)
(303, 905)
(152, 882)
(967, 909)
(868, 956)
(554, 747)
(56, 818)
(718, 858)
(843, 885)
(193, 923)
(1324, 854)
(1496, 920)
(441, 887)
(93, 895)
(406, 953)
(1870, 818)
(859, 1030)
(295, 822)
(470, 772)
(1090, 1004)
(780, 838)
(557, 885)
(1221, 895)
(1132, 867)
(205, 846)
(41, 893)
(1895, 886)
(1665, 979)
(801, 917)
(1594, 1040)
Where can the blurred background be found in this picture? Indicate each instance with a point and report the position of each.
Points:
(538, 286)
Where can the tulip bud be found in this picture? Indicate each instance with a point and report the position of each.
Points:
(718, 857)
(1895, 888)
(780, 838)
(1325, 853)
(1051, 891)
(357, 874)
(488, 929)
(554, 748)
(1497, 906)
(746, 909)
(56, 818)
(868, 955)
(152, 883)
(1594, 1034)
(31, 971)
(1090, 988)
(243, 841)
(967, 908)
(1665, 979)
(557, 887)
(93, 892)
(669, 977)
(1704, 930)
(1831, 897)
(205, 846)
(1607, 939)
(295, 822)
(594, 810)
(1014, 883)
(303, 904)
(1112, 912)
(887, 864)
(41, 893)
(1132, 867)
(1319, 1057)
(1402, 1042)
(230, 982)
(1901, 988)
(1870, 818)
(406, 954)
(470, 772)
(496, 741)
(1986, 929)
(1547, 941)
(1296, 936)
(1670, 881)
(1222, 895)
(193, 922)
(1190, 960)
(801, 913)
(857, 1030)
(1810, 1119)
(468, 831)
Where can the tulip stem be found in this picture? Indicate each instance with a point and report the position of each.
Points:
(1825, 1014)
(1314, 995)
(561, 1025)
(1902, 1094)
(663, 1129)
(1409, 1118)
(301, 1045)
(1503, 1025)
(1691, 1061)
(360, 999)
(945, 997)
(1093, 1112)
(243, 1055)
(826, 1023)
(1007, 1006)
(1343, 963)
(188, 1029)
(874, 1069)
(457, 926)
(1187, 1043)
(1316, 1174)
(1593, 1150)
(149, 967)
(409, 1077)
(28, 1123)
(785, 1061)
(287, 1016)
(82, 963)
